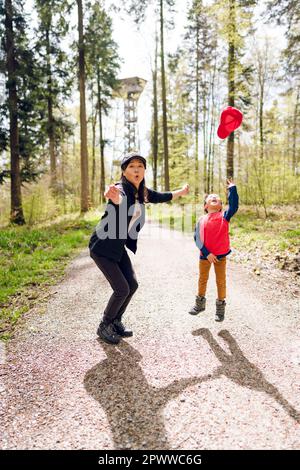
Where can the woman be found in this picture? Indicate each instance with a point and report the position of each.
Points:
(118, 228)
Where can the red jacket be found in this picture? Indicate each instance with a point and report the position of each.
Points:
(214, 233)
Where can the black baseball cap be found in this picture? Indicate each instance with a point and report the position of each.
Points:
(132, 156)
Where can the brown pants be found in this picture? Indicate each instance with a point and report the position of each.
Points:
(220, 270)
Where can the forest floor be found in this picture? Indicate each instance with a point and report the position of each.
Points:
(181, 382)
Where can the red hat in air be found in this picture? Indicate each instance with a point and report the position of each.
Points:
(231, 119)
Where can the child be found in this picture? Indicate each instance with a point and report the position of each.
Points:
(212, 238)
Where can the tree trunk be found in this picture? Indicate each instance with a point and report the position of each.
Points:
(211, 132)
(295, 122)
(83, 124)
(261, 122)
(94, 120)
(164, 101)
(231, 83)
(64, 154)
(50, 113)
(16, 215)
(155, 117)
(205, 179)
(102, 166)
(197, 179)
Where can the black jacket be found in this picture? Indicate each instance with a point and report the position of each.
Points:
(111, 233)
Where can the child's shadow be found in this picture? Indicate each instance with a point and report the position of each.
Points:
(133, 407)
(236, 367)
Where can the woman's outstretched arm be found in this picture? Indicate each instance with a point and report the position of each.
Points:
(156, 197)
(181, 192)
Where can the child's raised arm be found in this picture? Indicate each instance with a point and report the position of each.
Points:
(233, 200)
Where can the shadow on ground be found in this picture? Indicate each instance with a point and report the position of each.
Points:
(133, 407)
(236, 367)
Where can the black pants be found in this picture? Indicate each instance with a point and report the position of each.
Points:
(122, 279)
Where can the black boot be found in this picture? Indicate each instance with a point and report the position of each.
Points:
(108, 333)
(121, 329)
(199, 306)
(220, 310)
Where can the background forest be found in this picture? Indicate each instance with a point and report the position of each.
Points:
(59, 67)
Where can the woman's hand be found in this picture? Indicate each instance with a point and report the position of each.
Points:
(181, 192)
(185, 190)
(212, 258)
(113, 193)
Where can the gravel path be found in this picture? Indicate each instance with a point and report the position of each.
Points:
(181, 382)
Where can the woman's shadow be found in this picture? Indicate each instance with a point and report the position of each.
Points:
(133, 407)
(236, 367)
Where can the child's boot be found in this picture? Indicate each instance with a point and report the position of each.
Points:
(220, 310)
(199, 305)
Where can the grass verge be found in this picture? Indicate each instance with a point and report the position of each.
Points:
(34, 258)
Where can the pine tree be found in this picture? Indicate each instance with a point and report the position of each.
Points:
(154, 135)
(235, 20)
(102, 67)
(287, 12)
(20, 109)
(10, 20)
(83, 121)
(181, 124)
(51, 31)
